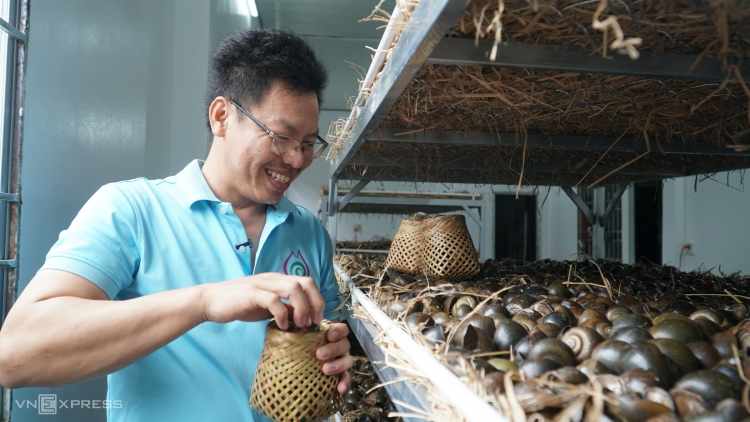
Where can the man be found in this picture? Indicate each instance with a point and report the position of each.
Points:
(196, 263)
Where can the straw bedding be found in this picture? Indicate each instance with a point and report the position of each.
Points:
(636, 110)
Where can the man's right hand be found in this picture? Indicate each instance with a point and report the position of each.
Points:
(258, 297)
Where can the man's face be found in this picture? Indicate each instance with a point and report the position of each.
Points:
(262, 176)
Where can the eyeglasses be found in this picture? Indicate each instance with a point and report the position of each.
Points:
(288, 145)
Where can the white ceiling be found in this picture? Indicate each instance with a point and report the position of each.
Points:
(333, 29)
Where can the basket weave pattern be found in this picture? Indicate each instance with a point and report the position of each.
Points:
(289, 382)
(448, 250)
(405, 253)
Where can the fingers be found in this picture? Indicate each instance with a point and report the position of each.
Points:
(338, 366)
(317, 304)
(303, 295)
(332, 350)
(337, 332)
(345, 380)
(277, 308)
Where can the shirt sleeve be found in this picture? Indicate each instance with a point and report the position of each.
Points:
(101, 244)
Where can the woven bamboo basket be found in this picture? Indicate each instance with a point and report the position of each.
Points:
(289, 383)
(448, 250)
(405, 254)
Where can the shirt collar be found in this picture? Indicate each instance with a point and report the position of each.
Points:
(193, 186)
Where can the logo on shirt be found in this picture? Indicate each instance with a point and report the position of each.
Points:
(295, 264)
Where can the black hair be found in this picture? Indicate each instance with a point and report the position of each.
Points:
(246, 62)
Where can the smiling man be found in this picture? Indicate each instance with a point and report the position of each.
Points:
(167, 285)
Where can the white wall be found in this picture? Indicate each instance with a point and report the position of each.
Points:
(557, 227)
(714, 220)
(113, 90)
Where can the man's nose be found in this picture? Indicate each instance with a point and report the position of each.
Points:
(296, 159)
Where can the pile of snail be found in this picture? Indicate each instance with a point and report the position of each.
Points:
(362, 403)
(631, 342)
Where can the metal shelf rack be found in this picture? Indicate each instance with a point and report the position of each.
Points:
(369, 153)
(402, 203)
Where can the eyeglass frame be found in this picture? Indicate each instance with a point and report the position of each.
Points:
(273, 135)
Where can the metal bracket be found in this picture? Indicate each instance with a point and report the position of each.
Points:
(351, 194)
(611, 206)
(8, 263)
(10, 197)
(13, 31)
(474, 217)
(596, 219)
(580, 204)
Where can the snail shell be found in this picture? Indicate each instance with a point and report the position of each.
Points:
(680, 354)
(708, 314)
(440, 317)
(528, 322)
(552, 348)
(483, 323)
(419, 321)
(680, 307)
(574, 307)
(507, 334)
(558, 289)
(616, 312)
(591, 314)
(519, 303)
(631, 334)
(723, 342)
(551, 330)
(609, 351)
(503, 365)
(533, 368)
(636, 409)
(461, 311)
(523, 347)
(542, 307)
(557, 318)
(572, 319)
(582, 340)
(709, 327)
(493, 308)
(570, 375)
(592, 368)
(631, 320)
(682, 330)
(739, 309)
(727, 410)
(644, 355)
(637, 380)
(712, 386)
(705, 352)
(612, 383)
(688, 403)
(728, 367)
(434, 335)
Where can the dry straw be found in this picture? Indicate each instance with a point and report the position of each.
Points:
(520, 102)
(289, 383)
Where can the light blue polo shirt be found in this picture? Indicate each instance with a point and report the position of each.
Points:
(142, 236)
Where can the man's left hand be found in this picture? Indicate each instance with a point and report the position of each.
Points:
(338, 348)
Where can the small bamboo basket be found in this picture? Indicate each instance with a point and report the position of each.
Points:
(405, 254)
(448, 251)
(289, 383)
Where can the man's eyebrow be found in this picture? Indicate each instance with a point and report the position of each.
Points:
(290, 128)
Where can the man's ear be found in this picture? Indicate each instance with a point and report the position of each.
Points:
(218, 115)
